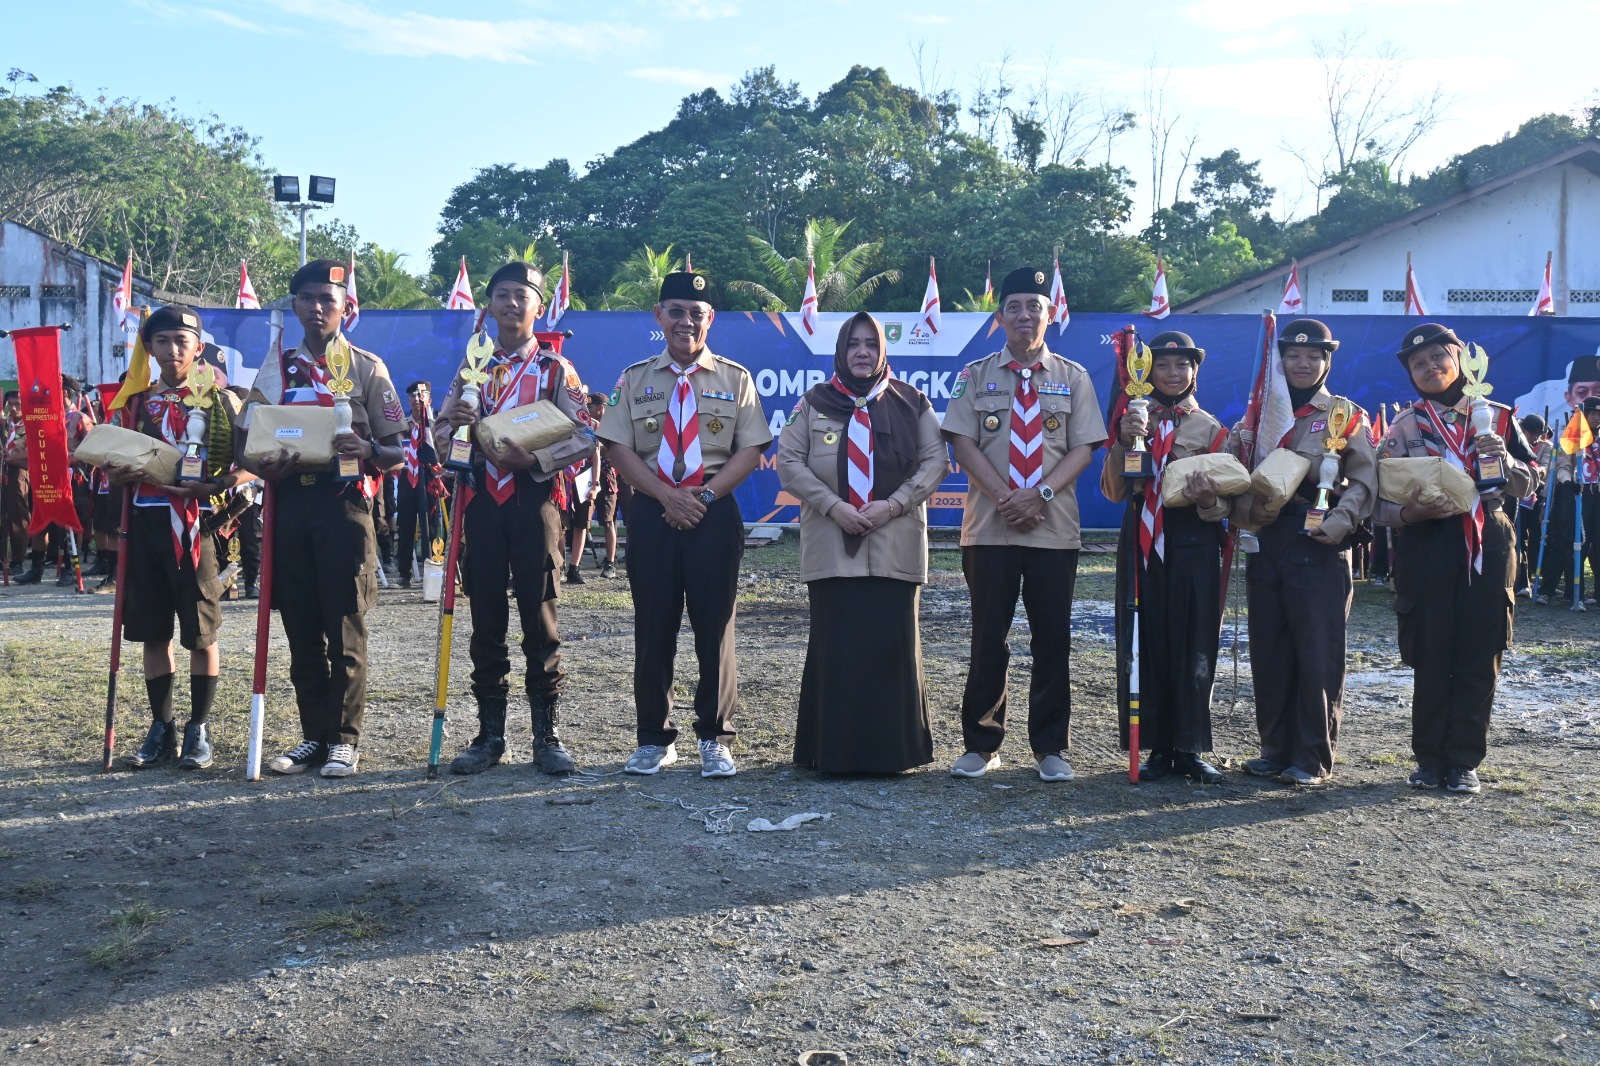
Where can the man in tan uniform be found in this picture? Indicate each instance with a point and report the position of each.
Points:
(1022, 423)
(688, 430)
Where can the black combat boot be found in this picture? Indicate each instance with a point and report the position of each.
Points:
(35, 572)
(547, 750)
(489, 746)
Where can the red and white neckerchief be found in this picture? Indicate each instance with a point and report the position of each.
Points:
(1453, 439)
(317, 374)
(411, 452)
(170, 415)
(508, 381)
(317, 393)
(1300, 412)
(858, 439)
(680, 435)
(1152, 524)
(1027, 436)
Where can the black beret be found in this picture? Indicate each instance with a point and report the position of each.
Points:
(11, 394)
(519, 272)
(70, 384)
(411, 389)
(682, 285)
(1584, 368)
(1422, 336)
(598, 397)
(319, 271)
(1533, 426)
(1591, 404)
(173, 316)
(1176, 343)
(1029, 281)
(1308, 333)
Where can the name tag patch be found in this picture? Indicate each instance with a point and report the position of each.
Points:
(288, 433)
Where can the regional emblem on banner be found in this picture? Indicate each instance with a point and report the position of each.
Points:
(891, 332)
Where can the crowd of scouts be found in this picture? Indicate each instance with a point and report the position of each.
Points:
(863, 451)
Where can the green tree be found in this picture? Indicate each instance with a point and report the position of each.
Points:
(637, 282)
(383, 283)
(841, 276)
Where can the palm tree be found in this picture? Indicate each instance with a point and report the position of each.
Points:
(552, 282)
(984, 301)
(840, 285)
(637, 282)
(383, 283)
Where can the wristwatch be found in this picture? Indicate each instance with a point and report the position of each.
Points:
(707, 497)
(1046, 493)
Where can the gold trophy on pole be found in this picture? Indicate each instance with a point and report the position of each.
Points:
(473, 376)
(339, 383)
(202, 382)
(1491, 472)
(1333, 447)
(1136, 464)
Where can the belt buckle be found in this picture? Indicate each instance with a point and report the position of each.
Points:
(308, 479)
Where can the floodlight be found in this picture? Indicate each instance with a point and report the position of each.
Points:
(286, 189)
(321, 190)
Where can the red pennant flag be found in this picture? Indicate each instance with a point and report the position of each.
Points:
(44, 419)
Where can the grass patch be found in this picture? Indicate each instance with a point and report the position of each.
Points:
(129, 928)
(351, 922)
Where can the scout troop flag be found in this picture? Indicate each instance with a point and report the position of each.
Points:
(930, 301)
(1269, 414)
(1545, 304)
(1577, 436)
(461, 295)
(126, 319)
(688, 263)
(246, 300)
(1291, 304)
(44, 418)
(1159, 306)
(352, 304)
(1060, 313)
(1413, 294)
(808, 303)
(561, 299)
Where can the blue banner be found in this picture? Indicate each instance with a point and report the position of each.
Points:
(1529, 358)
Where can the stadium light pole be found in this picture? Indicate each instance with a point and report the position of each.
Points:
(286, 190)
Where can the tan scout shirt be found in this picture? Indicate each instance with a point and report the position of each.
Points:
(980, 408)
(1403, 441)
(374, 405)
(808, 466)
(1357, 483)
(731, 418)
(1197, 434)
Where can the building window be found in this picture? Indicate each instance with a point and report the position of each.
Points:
(15, 292)
(58, 292)
(1491, 296)
(1394, 296)
(1350, 296)
(1584, 296)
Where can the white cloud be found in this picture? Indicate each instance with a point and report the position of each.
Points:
(697, 9)
(685, 76)
(235, 22)
(1256, 42)
(1248, 16)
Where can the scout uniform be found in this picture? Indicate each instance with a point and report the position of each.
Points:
(15, 501)
(1453, 586)
(670, 569)
(324, 547)
(1299, 590)
(513, 528)
(1175, 555)
(419, 482)
(990, 405)
(1575, 474)
(1528, 511)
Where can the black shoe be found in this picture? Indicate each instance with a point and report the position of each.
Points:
(1424, 777)
(548, 752)
(64, 579)
(1195, 768)
(1462, 779)
(608, 570)
(34, 576)
(481, 754)
(575, 576)
(300, 758)
(1264, 767)
(107, 584)
(196, 747)
(1157, 766)
(160, 743)
(405, 581)
(251, 592)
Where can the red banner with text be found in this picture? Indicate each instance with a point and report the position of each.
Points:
(44, 419)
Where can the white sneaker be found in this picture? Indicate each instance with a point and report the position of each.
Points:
(650, 758)
(1053, 767)
(975, 764)
(342, 761)
(716, 760)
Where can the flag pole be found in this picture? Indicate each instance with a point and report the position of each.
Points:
(447, 610)
(269, 509)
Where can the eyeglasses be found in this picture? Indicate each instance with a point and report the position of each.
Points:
(1025, 308)
(695, 315)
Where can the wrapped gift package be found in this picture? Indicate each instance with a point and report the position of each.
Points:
(153, 460)
(1229, 474)
(305, 432)
(1398, 478)
(533, 426)
(1278, 476)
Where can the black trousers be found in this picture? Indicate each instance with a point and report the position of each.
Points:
(520, 540)
(668, 570)
(249, 534)
(1299, 593)
(416, 506)
(1556, 573)
(1453, 630)
(1046, 578)
(323, 580)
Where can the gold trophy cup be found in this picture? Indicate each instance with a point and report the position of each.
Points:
(339, 383)
(202, 384)
(1491, 472)
(1338, 421)
(1136, 460)
(479, 351)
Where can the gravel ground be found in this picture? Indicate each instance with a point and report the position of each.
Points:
(171, 916)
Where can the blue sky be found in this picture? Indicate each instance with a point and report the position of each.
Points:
(450, 88)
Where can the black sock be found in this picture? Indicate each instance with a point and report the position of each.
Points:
(160, 692)
(202, 692)
(110, 556)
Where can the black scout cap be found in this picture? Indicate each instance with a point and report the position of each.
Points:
(173, 316)
(1175, 343)
(319, 271)
(1030, 281)
(1424, 335)
(1533, 426)
(1307, 333)
(1591, 404)
(682, 285)
(1584, 368)
(521, 273)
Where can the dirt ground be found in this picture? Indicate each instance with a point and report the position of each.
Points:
(170, 916)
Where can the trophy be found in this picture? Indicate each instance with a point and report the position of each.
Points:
(1338, 419)
(1136, 460)
(479, 351)
(339, 383)
(202, 384)
(1491, 472)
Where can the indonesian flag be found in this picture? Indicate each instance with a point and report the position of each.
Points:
(561, 299)
(1060, 313)
(988, 282)
(930, 301)
(1159, 306)
(1291, 304)
(1413, 294)
(461, 295)
(808, 304)
(1380, 425)
(688, 262)
(352, 303)
(246, 300)
(126, 319)
(1545, 304)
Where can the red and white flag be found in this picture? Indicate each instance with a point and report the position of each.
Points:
(126, 319)
(930, 301)
(1060, 313)
(561, 299)
(808, 304)
(1291, 305)
(246, 300)
(1546, 303)
(688, 263)
(1159, 306)
(352, 302)
(988, 281)
(461, 295)
(1413, 294)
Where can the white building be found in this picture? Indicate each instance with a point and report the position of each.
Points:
(1479, 252)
